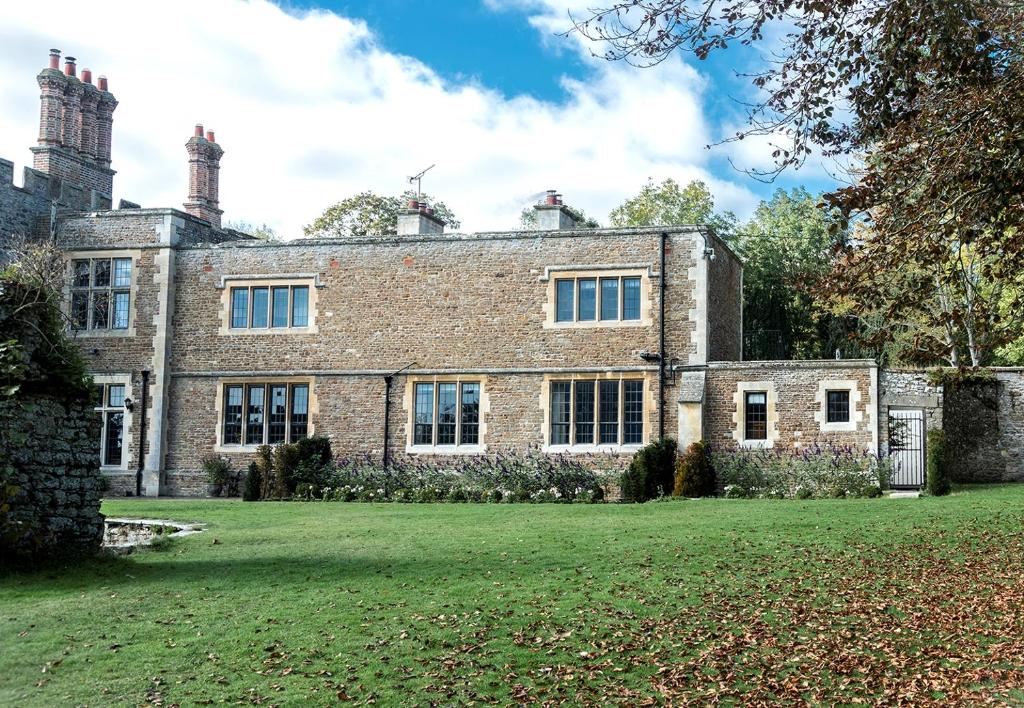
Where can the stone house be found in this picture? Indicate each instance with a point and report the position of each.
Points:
(203, 340)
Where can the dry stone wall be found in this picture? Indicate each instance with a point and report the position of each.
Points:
(51, 453)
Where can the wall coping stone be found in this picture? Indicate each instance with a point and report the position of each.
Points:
(801, 364)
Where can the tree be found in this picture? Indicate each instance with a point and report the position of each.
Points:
(369, 214)
(668, 204)
(787, 247)
(928, 93)
(263, 232)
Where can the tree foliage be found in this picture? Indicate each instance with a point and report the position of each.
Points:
(263, 231)
(669, 204)
(36, 355)
(928, 93)
(787, 247)
(370, 214)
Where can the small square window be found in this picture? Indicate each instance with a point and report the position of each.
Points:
(838, 407)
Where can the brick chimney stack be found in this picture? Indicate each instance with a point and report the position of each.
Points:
(75, 127)
(553, 215)
(204, 176)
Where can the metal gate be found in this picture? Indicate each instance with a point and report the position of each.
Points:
(906, 448)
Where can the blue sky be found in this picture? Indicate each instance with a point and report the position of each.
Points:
(315, 102)
(496, 45)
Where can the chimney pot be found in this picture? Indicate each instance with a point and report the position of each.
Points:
(55, 59)
(69, 66)
(199, 130)
(551, 198)
(414, 205)
(102, 83)
(430, 211)
(87, 76)
(210, 136)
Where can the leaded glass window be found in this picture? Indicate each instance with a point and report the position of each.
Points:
(101, 293)
(597, 412)
(446, 413)
(111, 409)
(261, 306)
(261, 414)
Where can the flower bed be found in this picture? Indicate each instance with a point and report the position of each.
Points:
(811, 472)
(533, 477)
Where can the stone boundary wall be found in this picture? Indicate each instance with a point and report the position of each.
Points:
(1010, 415)
(984, 423)
(907, 388)
(53, 448)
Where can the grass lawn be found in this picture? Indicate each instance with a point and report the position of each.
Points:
(906, 600)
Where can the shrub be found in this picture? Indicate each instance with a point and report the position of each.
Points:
(939, 482)
(651, 472)
(812, 472)
(286, 459)
(265, 465)
(251, 490)
(695, 477)
(218, 473)
(313, 464)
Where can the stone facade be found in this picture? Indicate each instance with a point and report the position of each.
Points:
(795, 394)
(53, 448)
(428, 309)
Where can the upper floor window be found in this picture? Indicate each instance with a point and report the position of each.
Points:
(593, 299)
(275, 306)
(838, 407)
(446, 413)
(111, 397)
(265, 413)
(588, 412)
(101, 293)
(755, 415)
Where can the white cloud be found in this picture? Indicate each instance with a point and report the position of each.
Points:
(310, 108)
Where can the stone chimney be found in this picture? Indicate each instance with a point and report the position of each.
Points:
(418, 218)
(204, 176)
(552, 215)
(75, 122)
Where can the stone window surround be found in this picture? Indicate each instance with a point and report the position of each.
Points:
(313, 406)
(740, 413)
(133, 290)
(409, 405)
(227, 282)
(821, 398)
(126, 439)
(649, 405)
(621, 270)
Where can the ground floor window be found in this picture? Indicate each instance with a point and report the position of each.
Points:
(838, 407)
(594, 412)
(265, 413)
(446, 413)
(756, 415)
(110, 398)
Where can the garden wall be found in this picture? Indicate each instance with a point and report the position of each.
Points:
(983, 420)
(50, 454)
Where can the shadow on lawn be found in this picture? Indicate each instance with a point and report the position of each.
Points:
(176, 572)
